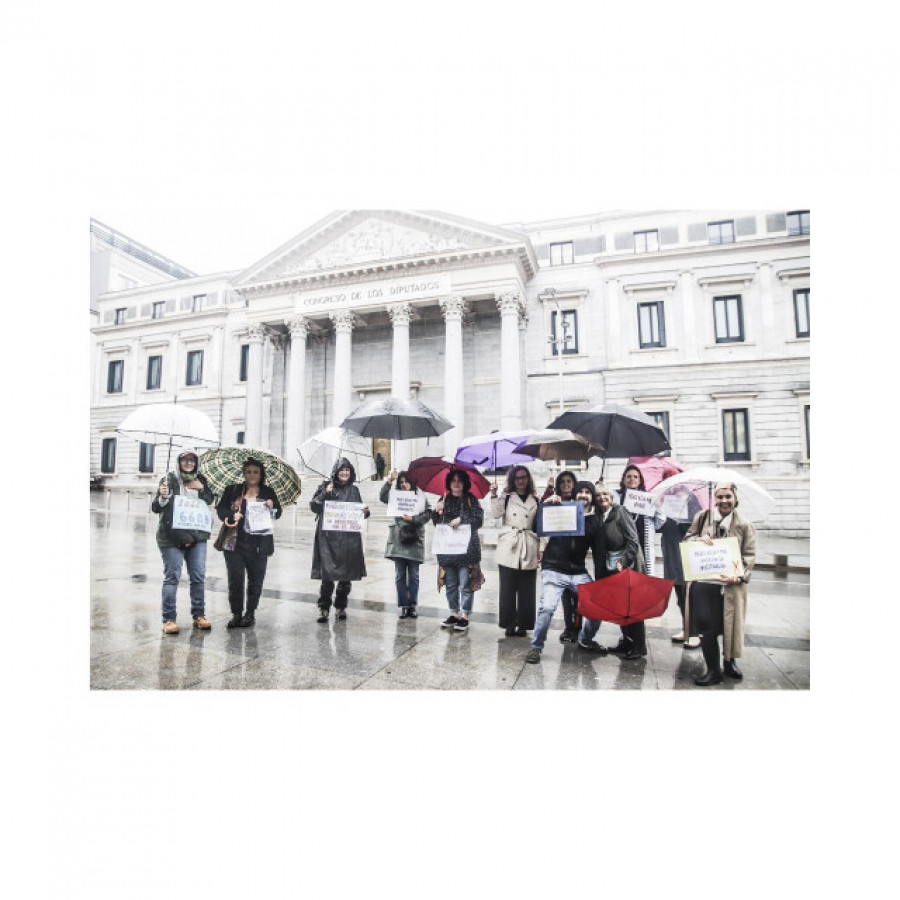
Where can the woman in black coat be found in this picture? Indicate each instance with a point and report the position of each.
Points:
(247, 553)
(337, 555)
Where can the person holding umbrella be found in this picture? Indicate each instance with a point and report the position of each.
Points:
(246, 549)
(623, 551)
(179, 546)
(460, 573)
(719, 606)
(517, 550)
(337, 555)
(406, 546)
(646, 526)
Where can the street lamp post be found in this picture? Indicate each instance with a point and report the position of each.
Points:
(559, 343)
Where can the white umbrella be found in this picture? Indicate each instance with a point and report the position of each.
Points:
(174, 424)
(319, 453)
(676, 493)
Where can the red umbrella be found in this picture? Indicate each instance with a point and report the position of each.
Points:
(430, 474)
(655, 469)
(624, 598)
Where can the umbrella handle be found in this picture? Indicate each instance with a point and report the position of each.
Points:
(230, 524)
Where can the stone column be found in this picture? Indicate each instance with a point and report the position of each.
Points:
(772, 332)
(453, 308)
(253, 416)
(510, 306)
(400, 316)
(342, 401)
(296, 399)
(614, 338)
(692, 337)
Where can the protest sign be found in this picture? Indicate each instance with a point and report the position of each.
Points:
(191, 514)
(564, 519)
(259, 517)
(675, 506)
(638, 502)
(339, 516)
(704, 561)
(451, 541)
(405, 503)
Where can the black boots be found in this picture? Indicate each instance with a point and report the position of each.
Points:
(709, 644)
(732, 671)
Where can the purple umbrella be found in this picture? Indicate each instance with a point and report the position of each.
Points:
(495, 449)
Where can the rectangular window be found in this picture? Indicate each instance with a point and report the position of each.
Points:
(568, 339)
(798, 222)
(197, 305)
(651, 324)
(120, 316)
(662, 419)
(721, 232)
(114, 376)
(736, 432)
(145, 457)
(194, 374)
(108, 456)
(801, 312)
(159, 309)
(154, 373)
(646, 241)
(729, 315)
(562, 254)
(806, 428)
(240, 438)
(245, 361)
(126, 283)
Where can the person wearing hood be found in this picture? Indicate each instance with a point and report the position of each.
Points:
(563, 568)
(179, 546)
(247, 553)
(719, 606)
(337, 555)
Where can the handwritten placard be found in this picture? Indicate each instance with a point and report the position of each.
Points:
(638, 502)
(675, 506)
(705, 561)
(451, 541)
(405, 503)
(560, 519)
(339, 516)
(259, 517)
(191, 514)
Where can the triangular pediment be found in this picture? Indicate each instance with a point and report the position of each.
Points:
(368, 238)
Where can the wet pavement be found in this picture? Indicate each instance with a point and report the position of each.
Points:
(373, 649)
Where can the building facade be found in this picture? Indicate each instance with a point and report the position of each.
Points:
(700, 319)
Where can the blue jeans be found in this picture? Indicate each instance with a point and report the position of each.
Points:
(552, 586)
(456, 581)
(406, 577)
(173, 558)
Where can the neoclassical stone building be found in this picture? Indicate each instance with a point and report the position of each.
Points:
(701, 319)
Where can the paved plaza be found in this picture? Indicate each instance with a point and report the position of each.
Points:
(373, 649)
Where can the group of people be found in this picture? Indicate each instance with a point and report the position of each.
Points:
(616, 538)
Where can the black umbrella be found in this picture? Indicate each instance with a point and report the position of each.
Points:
(397, 419)
(621, 431)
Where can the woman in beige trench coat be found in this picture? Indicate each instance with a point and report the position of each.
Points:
(719, 606)
(517, 551)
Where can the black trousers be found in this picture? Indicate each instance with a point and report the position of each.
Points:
(518, 588)
(571, 616)
(636, 635)
(253, 567)
(340, 598)
(707, 609)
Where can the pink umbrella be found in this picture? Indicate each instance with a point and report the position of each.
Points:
(655, 469)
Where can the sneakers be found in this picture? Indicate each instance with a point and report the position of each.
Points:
(202, 623)
(568, 636)
(461, 624)
(170, 627)
(340, 613)
(591, 646)
(692, 643)
(323, 614)
(450, 622)
(534, 655)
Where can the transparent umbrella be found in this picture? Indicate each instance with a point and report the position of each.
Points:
(319, 453)
(172, 424)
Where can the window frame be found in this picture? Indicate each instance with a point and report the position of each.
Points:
(728, 339)
(645, 234)
(736, 455)
(244, 364)
(806, 431)
(799, 213)
(240, 437)
(798, 333)
(553, 346)
(719, 223)
(105, 445)
(193, 354)
(119, 318)
(115, 365)
(562, 260)
(158, 385)
(159, 306)
(659, 306)
(198, 302)
(143, 453)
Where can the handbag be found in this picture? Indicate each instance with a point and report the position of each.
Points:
(226, 538)
(408, 533)
(612, 557)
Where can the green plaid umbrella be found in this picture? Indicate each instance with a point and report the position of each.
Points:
(224, 466)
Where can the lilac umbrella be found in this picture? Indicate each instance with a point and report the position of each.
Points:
(495, 449)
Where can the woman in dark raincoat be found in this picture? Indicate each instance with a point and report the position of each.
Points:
(337, 555)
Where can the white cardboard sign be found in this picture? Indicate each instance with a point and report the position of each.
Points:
(704, 561)
(451, 541)
(191, 514)
(405, 503)
(259, 517)
(638, 502)
(339, 516)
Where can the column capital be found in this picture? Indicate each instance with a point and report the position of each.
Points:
(400, 313)
(342, 320)
(453, 307)
(298, 326)
(257, 333)
(510, 303)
